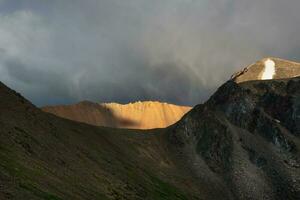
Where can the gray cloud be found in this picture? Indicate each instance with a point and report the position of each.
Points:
(115, 50)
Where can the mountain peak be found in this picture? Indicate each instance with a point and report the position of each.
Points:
(268, 68)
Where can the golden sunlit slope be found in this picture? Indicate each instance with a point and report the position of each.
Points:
(268, 68)
(138, 115)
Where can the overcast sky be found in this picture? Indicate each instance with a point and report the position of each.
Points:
(179, 51)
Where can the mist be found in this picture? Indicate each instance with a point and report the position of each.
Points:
(178, 51)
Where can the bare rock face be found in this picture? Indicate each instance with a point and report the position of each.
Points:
(138, 115)
(246, 139)
(268, 68)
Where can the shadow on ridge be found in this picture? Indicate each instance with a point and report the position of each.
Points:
(91, 113)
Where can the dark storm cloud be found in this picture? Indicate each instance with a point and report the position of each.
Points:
(126, 50)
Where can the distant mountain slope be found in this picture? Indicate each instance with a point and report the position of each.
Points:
(138, 115)
(268, 68)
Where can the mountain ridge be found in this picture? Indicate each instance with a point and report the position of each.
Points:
(141, 115)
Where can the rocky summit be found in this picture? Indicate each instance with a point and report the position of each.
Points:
(268, 68)
(243, 143)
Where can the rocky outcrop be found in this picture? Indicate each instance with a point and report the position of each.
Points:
(247, 136)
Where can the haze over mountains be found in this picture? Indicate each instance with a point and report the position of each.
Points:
(243, 143)
(139, 115)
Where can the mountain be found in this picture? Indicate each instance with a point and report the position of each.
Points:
(268, 68)
(245, 138)
(243, 143)
(138, 115)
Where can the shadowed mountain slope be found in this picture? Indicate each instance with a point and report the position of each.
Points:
(45, 157)
(138, 115)
(245, 138)
(243, 143)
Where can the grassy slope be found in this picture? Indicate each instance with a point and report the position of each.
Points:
(45, 157)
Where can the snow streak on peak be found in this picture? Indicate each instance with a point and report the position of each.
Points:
(269, 70)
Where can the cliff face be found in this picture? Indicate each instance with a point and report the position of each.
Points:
(268, 68)
(139, 115)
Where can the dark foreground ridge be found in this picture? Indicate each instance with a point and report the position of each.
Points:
(243, 143)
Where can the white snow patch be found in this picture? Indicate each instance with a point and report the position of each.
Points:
(269, 70)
